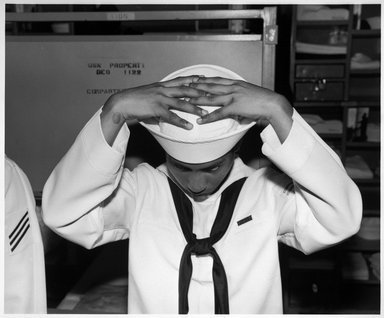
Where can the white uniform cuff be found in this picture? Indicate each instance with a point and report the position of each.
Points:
(294, 152)
(101, 155)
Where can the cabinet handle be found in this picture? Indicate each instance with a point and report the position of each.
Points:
(320, 85)
(315, 288)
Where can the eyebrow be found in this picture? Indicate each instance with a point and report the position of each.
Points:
(213, 165)
(180, 166)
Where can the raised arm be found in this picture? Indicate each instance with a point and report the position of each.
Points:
(84, 194)
(327, 205)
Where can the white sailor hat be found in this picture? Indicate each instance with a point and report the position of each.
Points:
(206, 142)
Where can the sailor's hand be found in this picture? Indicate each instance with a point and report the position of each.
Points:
(154, 101)
(243, 101)
(151, 103)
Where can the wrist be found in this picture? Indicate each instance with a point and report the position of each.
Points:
(278, 108)
(112, 105)
(280, 116)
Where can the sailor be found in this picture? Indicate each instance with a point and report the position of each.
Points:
(203, 227)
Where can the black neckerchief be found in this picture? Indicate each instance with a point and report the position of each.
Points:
(204, 246)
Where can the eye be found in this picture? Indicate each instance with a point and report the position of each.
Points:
(213, 169)
(181, 168)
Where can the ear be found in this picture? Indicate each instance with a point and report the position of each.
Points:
(236, 148)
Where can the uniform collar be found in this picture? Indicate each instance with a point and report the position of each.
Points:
(238, 171)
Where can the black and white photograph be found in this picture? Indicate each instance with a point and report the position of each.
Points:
(196, 157)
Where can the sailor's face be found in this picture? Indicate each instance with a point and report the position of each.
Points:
(199, 181)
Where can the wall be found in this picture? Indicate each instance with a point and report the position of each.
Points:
(55, 83)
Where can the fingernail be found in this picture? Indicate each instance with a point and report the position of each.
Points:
(188, 125)
(204, 112)
(199, 120)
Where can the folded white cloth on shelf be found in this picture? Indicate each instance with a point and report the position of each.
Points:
(319, 12)
(310, 48)
(372, 65)
(374, 22)
(322, 126)
(360, 61)
(374, 263)
(352, 115)
(355, 266)
(370, 228)
(357, 168)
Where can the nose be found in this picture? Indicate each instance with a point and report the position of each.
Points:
(197, 183)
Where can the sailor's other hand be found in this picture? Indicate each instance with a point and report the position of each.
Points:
(242, 100)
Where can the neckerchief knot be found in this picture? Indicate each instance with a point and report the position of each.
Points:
(201, 246)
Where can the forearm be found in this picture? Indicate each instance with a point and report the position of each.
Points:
(111, 120)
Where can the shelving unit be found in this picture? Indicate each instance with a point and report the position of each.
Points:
(325, 82)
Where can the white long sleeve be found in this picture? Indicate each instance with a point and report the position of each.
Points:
(330, 204)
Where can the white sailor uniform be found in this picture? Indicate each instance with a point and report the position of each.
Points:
(309, 203)
(24, 269)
